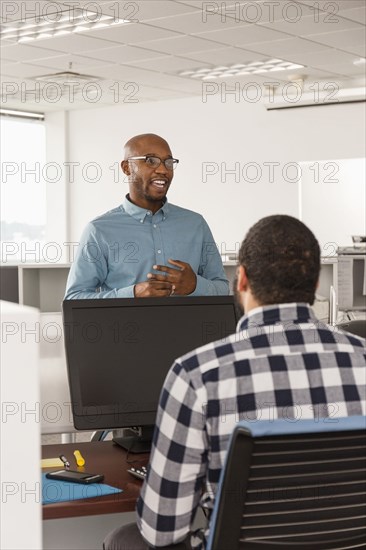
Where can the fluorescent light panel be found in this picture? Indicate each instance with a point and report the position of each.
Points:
(21, 114)
(238, 69)
(75, 20)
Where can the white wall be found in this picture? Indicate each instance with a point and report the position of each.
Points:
(212, 132)
(57, 191)
(341, 195)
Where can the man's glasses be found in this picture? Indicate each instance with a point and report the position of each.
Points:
(154, 162)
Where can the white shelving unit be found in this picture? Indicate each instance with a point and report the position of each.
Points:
(42, 285)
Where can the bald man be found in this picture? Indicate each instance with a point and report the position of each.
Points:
(147, 247)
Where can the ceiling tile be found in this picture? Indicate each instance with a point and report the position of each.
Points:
(286, 47)
(225, 56)
(285, 11)
(144, 77)
(344, 69)
(79, 64)
(170, 64)
(323, 74)
(192, 23)
(236, 36)
(126, 73)
(260, 11)
(182, 45)
(77, 60)
(341, 39)
(355, 14)
(86, 3)
(131, 34)
(225, 15)
(5, 61)
(333, 7)
(26, 70)
(6, 67)
(360, 50)
(307, 25)
(327, 57)
(76, 43)
(21, 52)
(193, 3)
(123, 54)
(157, 9)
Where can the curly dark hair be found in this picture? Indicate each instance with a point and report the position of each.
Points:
(281, 257)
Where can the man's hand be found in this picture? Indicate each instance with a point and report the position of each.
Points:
(183, 279)
(150, 289)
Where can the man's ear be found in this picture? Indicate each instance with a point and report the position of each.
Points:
(242, 284)
(125, 167)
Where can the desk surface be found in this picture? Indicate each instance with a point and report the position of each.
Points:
(101, 457)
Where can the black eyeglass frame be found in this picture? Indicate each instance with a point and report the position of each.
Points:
(145, 157)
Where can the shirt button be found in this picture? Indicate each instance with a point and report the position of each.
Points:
(141, 221)
(154, 225)
(159, 251)
(149, 213)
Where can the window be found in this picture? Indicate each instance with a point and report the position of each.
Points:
(23, 189)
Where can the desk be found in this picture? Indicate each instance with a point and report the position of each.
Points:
(101, 457)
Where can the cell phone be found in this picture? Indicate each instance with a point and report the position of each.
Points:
(75, 477)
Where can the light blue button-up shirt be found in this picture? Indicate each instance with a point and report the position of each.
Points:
(118, 249)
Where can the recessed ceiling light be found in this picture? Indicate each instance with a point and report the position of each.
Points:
(254, 67)
(26, 39)
(68, 20)
(359, 61)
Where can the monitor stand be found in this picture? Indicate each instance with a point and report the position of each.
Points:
(140, 442)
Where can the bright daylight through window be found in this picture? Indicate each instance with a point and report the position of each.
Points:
(23, 189)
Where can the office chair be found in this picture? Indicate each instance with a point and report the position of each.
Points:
(292, 485)
(354, 326)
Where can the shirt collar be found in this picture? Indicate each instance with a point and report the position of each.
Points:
(140, 213)
(277, 313)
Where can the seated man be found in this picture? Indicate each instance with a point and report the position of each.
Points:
(120, 249)
(281, 363)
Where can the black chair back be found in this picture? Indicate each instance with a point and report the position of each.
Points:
(293, 490)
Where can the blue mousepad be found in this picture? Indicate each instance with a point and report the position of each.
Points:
(54, 490)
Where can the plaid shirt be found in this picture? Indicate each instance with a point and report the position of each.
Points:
(281, 363)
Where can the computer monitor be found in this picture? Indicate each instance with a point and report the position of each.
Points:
(119, 351)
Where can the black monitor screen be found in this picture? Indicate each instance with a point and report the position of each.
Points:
(120, 350)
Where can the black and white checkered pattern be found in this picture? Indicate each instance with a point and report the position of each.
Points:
(281, 363)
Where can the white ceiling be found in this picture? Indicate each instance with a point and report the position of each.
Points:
(142, 60)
